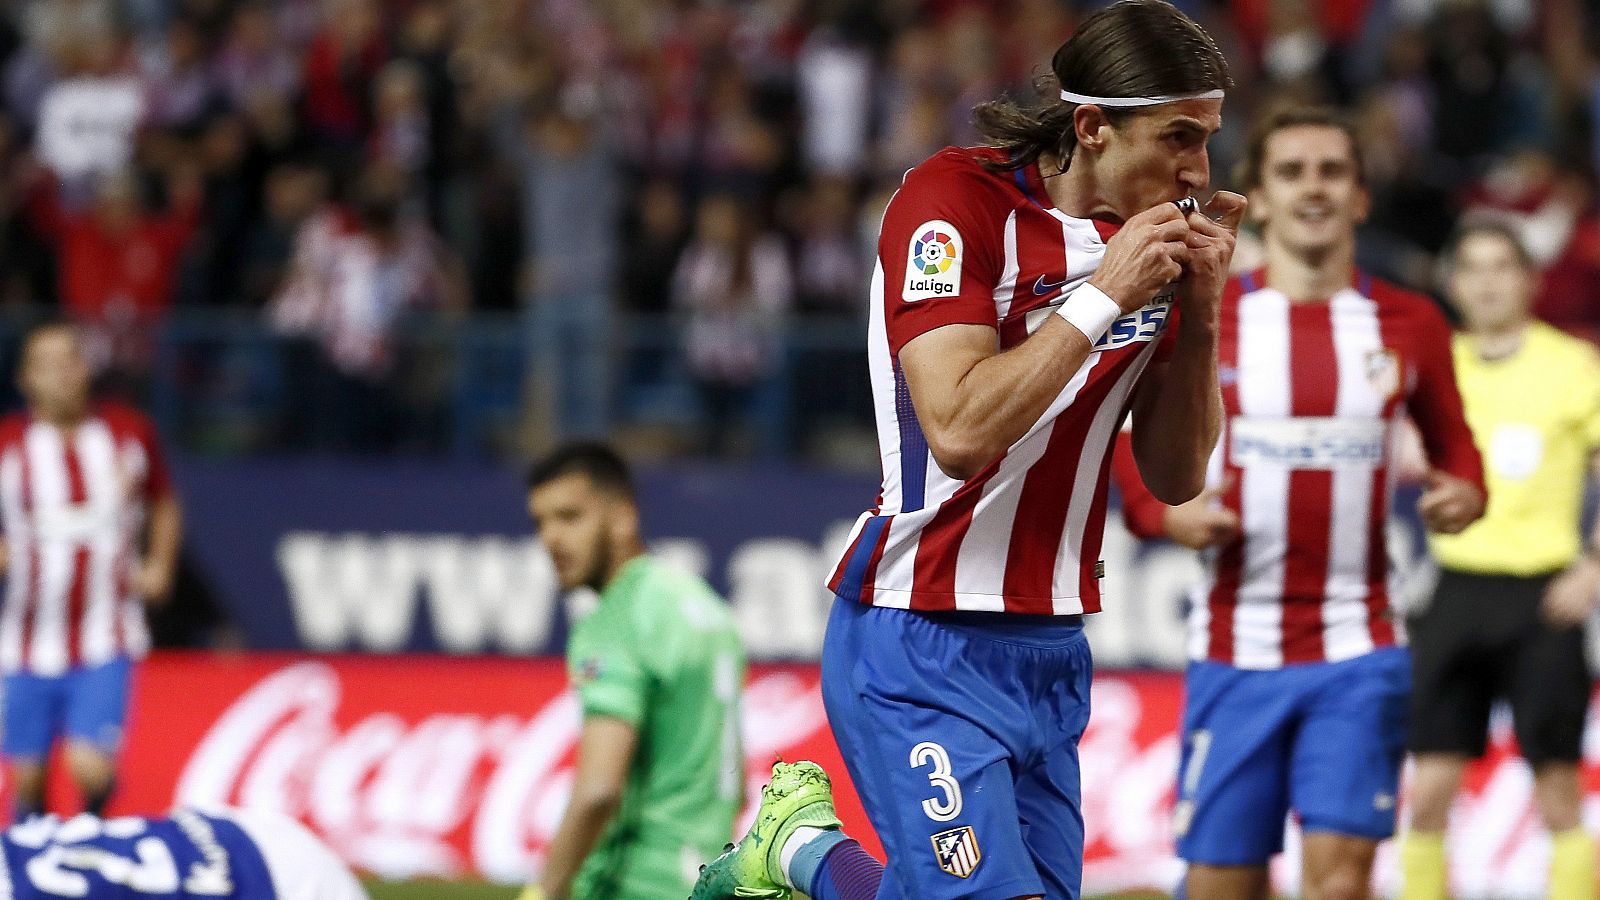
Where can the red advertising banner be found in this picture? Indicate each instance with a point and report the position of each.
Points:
(460, 767)
(407, 766)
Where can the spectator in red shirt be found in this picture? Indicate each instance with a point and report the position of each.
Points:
(340, 67)
(116, 269)
(117, 261)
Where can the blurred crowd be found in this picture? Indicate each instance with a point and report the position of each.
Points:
(349, 172)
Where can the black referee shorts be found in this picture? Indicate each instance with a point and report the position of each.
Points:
(1482, 639)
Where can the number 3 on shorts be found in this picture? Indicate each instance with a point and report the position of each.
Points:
(948, 808)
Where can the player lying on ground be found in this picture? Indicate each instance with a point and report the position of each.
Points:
(221, 855)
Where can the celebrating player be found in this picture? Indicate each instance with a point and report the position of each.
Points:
(1297, 691)
(1514, 589)
(92, 527)
(221, 855)
(658, 669)
(1026, 295)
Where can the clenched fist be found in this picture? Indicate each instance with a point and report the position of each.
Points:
(1202, 522)
(1212, 236)
(1146, 255)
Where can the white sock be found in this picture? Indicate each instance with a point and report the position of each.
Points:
(798, 838)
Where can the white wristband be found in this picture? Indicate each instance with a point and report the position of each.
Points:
(1089, 310)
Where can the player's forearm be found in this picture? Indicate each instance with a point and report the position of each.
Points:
(1001, 397)
(586, 818)
(165, 535)
(1173, 438)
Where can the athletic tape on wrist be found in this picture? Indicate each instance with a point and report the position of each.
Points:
(1089, 310)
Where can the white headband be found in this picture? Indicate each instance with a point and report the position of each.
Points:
(1070, 97)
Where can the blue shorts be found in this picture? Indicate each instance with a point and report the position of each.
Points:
(961, 733)
(1325, 740)
(87, 705)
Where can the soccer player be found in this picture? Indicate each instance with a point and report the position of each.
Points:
(1296, 693)
(217, 854)
(1514, 589)
(1026, 295)
(92, 528)
(658, 668)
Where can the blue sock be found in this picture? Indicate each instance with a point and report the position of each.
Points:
(807, 861)
(846, 872)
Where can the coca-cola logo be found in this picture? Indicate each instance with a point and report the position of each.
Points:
(446, 794)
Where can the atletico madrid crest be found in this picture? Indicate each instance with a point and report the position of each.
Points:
(958, 851)
(1383, 372)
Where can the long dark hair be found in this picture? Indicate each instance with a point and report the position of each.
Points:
(1134, 48)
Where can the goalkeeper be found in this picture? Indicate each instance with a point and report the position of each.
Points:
(658, 669)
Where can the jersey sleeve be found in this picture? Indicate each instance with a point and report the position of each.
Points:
(13, 430)
(1587, 396)
(941, 248)
(1143, 514)
(134, 427)
(158, 478)
(608, 674)
(1435, 403)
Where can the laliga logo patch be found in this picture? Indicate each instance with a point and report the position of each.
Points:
(1383, 372)
(934, 267)
(957, 851)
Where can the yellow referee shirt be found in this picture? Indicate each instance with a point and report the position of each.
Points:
(1536, 418)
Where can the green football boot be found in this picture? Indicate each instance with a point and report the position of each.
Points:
(799, 794)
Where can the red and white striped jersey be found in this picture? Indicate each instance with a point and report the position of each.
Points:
(74, 506)
(1313, 392)
(961, 244)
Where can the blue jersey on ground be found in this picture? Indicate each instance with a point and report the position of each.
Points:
(188, 855)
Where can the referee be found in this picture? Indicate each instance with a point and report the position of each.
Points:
(1516, 587)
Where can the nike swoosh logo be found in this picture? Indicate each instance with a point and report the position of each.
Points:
(1040, 287)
